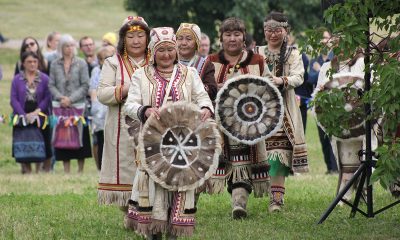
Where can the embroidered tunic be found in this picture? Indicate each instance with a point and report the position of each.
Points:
(242, 165)
(154, 209)
(206, 71)
(288, 145)
(118, 164)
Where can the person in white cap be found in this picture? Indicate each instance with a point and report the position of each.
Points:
(163, 80)
(188, 40)
(118, 164)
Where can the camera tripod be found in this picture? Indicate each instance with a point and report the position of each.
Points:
(364, 171)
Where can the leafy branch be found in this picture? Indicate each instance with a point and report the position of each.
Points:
(350, 24)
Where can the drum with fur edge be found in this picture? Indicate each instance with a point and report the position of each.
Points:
(179, 151)
(249, 109)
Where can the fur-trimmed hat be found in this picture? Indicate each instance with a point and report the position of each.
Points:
(192, 28)
(158, 36)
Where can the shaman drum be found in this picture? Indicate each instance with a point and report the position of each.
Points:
(348, 83)
(179, 151)
(249, 109)
(133, 128)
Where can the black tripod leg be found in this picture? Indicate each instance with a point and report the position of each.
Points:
(357, 198)
(370, 206)
(342, 193)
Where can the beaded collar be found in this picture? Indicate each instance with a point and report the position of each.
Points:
(270, 56)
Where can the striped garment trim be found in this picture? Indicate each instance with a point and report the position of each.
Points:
(114, 187)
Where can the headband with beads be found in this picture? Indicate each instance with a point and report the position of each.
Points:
(275, 24)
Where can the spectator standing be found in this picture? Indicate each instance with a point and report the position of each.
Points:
(204, 45)
(98, 110)
(315, 66)
(32, 45)
(88, 48)
(69, 85)
(30, 100)
(110, 38)
(49, 51)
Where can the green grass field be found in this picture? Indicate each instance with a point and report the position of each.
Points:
(59, 206)
(39, 17)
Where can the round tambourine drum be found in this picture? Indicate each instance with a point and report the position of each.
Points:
(249, 109)
(347, 83)
(179, 151)
(133, 128)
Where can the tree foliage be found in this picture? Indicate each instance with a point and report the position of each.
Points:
(351, 23)
(208, 14)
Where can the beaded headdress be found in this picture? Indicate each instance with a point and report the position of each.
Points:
(131, 24)
(159, 36)
(135, 19)
(275, 24)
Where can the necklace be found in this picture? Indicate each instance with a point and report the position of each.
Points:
(165, 72)
(271, 57)
(235, 67)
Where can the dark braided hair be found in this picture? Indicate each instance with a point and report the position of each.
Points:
(282, 53)
(279, 17)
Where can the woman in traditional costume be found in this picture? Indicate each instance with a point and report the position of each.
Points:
(118, 163)
(345, 149)
(155, 210)
(287, 152)
(243, 166)
(188, 39)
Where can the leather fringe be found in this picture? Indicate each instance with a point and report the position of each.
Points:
(118, 198)
(130, 223)
(217, 185)
(158, 226)
(181, 231)
(261, 188)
